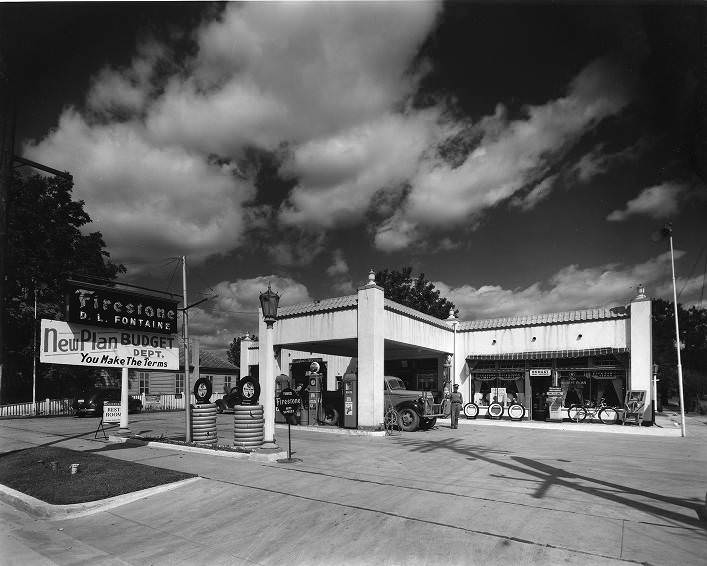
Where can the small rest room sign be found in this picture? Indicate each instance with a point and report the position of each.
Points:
(112, 411)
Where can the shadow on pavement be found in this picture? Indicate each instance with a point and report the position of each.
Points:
(548, 476)
(57, 441)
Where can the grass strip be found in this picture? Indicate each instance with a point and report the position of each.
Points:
(44, 472)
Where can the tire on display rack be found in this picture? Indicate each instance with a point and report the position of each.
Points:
(495, 410)
(516, 411)
(248, 437)
(609, 415)
(331, 416)
(203, 424)
(250, 390)
(202, 390)
(248, 426)
(471, 410)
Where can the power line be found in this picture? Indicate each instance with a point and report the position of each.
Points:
(699, 256)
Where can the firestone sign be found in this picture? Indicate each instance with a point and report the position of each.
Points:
(73, 344)
(93, 305)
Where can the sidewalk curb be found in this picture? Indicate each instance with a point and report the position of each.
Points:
(335, 430)
(43, 510)
(254, 456)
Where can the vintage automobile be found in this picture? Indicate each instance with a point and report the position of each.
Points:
(90, 402)
(230, 400)
(413, 409)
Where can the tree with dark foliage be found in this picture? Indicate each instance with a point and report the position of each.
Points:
(415, 292)
(693, 335)
(45, 247)
(234, 350)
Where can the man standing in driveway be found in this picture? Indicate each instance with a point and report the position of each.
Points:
(457, 401)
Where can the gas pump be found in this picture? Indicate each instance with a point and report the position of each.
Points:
(315, 395)
(350, 383)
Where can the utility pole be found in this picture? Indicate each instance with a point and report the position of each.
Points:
(185, 323)
(7, 127)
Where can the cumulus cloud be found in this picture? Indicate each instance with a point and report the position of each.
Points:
(150, 202)
(234, 310)
(570, 288)
(339, 176)
(292, 72)
(659, 201)
(157, 152)
(510, 155)
(339, 272)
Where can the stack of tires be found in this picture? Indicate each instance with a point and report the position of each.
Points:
(203, 415)
(248, 423)
(203, 424)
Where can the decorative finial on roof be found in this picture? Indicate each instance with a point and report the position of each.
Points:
(371, 277)
(641, 292)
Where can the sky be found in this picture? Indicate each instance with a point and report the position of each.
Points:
(519, 155)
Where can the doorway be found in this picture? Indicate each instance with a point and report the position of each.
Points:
(539, 386)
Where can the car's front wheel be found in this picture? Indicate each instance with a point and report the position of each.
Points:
(409, 419)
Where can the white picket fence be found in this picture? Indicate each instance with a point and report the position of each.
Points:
(46, 407)
(58, 407)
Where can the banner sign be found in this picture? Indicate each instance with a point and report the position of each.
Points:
(554, 399)
(78, 345)
(94, 305)
(503, 376)
(545, 372)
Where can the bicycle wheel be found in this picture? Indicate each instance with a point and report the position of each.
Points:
(573, 411)
(608, 415)
(576, 413)
(391, 419)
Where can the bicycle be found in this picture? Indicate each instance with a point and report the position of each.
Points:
(605, 413)
(392, 421)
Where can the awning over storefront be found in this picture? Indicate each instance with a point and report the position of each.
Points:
(548, 355)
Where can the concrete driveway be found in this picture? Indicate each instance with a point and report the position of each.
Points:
(481, 494)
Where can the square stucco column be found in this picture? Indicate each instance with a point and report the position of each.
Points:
(246, 342)
(266, 377)
(642, 350)
(371, 355)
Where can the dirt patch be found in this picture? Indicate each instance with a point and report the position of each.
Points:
(44, 472)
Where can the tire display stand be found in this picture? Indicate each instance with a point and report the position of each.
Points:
(495, 410)
(203, 424)
(203, 415)
(248, 426)
(471, 410)
(516, 412)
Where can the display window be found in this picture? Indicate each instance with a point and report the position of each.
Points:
(583, 381)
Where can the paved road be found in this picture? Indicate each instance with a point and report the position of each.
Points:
(477, 495)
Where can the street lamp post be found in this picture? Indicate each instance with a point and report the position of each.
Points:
(453, 321)
(268, 303)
